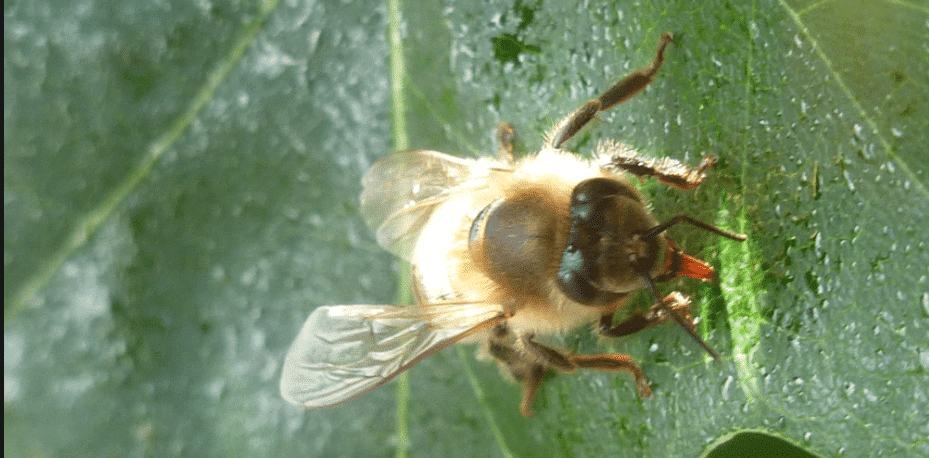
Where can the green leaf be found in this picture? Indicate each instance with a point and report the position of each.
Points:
(180, 189)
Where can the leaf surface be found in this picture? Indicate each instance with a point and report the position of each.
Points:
(181, 189)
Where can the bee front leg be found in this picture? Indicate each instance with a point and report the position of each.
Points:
(625, 89)
(677, 302)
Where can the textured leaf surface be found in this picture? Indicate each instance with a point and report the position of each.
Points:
(181, 190)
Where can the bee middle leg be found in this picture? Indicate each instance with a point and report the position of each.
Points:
(623, 90)
(530, 362)
(667, 170)
(615, 362)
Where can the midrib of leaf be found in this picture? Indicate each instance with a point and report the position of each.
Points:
(745, 316)
(401, 142)
(398, 77)
(482, 401)
(872, 124)
(89, 223)
(744, 312)
(745, 320)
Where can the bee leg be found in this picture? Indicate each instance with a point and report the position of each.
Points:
(669, 171)
(538, 357)
(677, 302)
(505, 136)
(569, 363)
(615, 362)
(545, 355)
(570, 125)
(529, 373)
(531, 382)
(625, 89)
(636, 81)
(530, 365)
(610, 362)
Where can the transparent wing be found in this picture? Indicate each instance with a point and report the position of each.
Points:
(403, 189)
(344, 351)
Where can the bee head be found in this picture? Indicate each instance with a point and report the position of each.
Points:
(608, 247)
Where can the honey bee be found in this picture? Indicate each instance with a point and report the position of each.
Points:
(503, 250)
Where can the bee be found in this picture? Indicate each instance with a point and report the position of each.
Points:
(503, 250)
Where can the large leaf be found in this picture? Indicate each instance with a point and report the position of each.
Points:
(180, 190)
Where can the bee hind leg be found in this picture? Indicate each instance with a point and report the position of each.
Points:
(523, 368)
(623, 90)
(531, 382)
(528, 373)
(636, 81)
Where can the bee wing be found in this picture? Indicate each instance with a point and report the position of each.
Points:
(403, 189)
(344, 351)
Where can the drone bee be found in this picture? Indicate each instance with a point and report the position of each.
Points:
(503, 250)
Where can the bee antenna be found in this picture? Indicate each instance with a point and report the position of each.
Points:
(687, 327)
(684, 218)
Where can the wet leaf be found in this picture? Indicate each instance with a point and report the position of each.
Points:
(180, 191)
